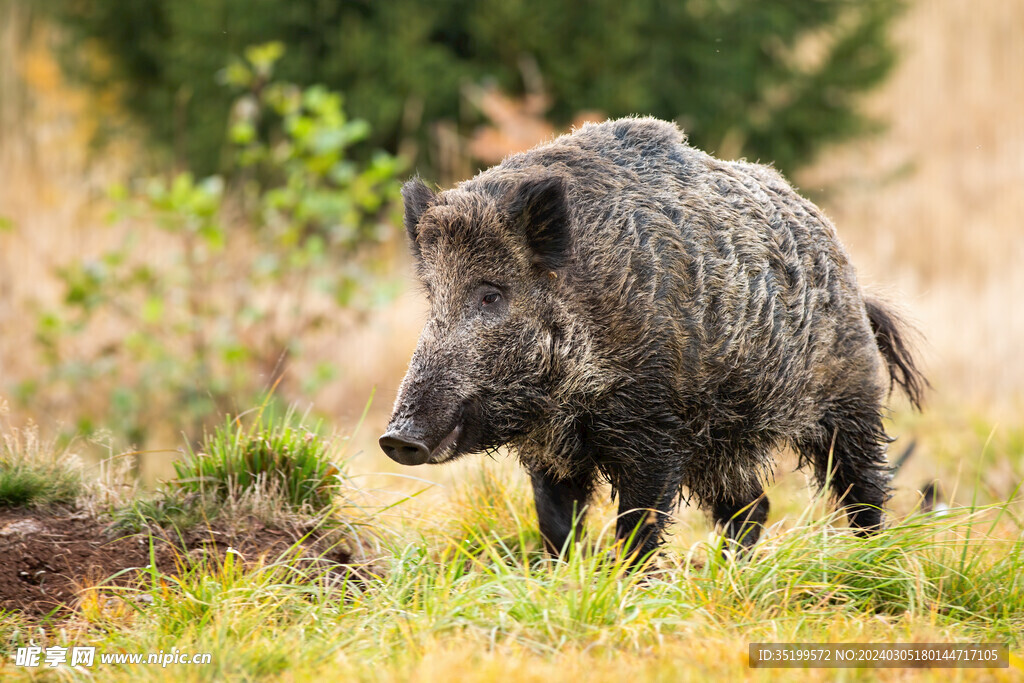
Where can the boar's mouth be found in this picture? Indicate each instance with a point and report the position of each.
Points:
(448, 447)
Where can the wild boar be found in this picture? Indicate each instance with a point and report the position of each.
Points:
(617, 305)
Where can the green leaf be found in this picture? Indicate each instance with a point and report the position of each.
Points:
(236, 74)
(263, 57)
(181, 189)
(235, 354)
(356, 131)
(153, 310)
(242, 133)
(213, 235)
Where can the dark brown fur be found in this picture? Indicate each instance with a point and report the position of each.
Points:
(616, 304)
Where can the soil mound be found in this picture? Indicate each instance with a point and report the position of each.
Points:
(48, 556)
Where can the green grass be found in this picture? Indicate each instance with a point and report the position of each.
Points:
(270, 468)
(460, 590)
(954, 578)
(273, 455)
(33, 473)
(958, 577)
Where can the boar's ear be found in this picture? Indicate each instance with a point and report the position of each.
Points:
(417, 198)
(538, 208)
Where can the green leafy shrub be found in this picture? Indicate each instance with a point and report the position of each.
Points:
(203, 305)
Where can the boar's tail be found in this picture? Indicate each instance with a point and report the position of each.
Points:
(891, 337)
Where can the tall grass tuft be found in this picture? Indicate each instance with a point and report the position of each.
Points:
(273, 455)
(35, 473)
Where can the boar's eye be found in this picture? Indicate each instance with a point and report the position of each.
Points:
(489, 298)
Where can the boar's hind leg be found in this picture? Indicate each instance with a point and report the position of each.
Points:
(741, 514)
(849, 454)
(561, 505)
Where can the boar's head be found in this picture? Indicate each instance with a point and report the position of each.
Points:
(488, 259)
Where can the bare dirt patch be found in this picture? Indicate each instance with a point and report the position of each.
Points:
(48, 556)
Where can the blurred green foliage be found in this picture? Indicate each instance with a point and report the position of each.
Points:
(217, 281)
(770, 79)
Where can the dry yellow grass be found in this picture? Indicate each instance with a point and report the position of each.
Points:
(50, 184)
(933, 209)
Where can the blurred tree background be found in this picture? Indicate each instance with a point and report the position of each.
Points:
(773, 81)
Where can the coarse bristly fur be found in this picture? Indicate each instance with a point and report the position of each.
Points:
(616, 304)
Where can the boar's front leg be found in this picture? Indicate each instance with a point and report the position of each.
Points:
(561, 505)
(645, 502)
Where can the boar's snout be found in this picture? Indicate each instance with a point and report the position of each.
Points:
(430, 439)
(404, 449)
